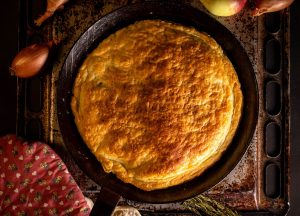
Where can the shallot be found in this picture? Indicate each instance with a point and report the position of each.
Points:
(30, 60)
(266, 6)
(52, 6)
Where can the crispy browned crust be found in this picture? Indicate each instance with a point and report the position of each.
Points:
(157, 103)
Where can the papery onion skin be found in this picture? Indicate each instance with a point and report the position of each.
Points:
(52, 6)
(30, 60)
(224, 7)
(267, 6)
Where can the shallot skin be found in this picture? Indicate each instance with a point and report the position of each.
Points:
(224, 7)
(267, 6)
(52, 6)
(31, 60)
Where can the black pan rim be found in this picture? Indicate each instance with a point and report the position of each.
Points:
(82, 157)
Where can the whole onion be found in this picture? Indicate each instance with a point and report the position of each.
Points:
(224, 7)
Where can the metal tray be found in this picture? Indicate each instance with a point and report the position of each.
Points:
(260, 182)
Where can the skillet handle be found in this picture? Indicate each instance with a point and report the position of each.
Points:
(106, 202)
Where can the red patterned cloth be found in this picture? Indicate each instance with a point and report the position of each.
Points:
(35, 181)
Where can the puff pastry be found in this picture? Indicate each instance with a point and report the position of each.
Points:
(157, 103)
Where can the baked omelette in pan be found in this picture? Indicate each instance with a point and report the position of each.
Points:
(157, 103)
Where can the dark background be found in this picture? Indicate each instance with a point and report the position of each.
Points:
(9, 43)
(295, 105)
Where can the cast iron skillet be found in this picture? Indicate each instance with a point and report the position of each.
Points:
(174, 12)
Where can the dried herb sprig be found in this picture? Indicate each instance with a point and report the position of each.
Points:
(204, 206)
